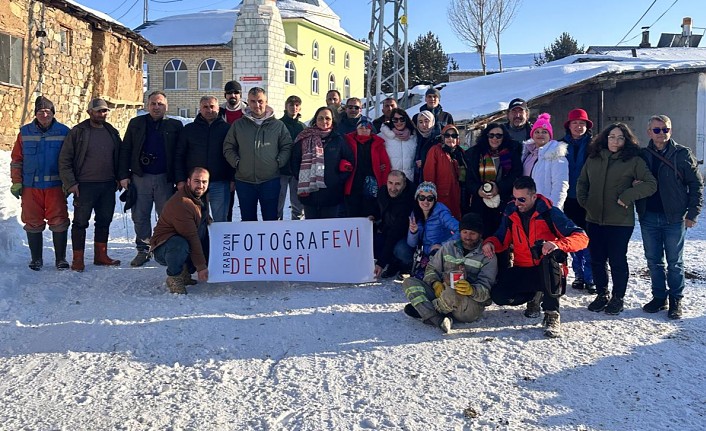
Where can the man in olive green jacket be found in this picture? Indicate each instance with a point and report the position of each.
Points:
(258, 145)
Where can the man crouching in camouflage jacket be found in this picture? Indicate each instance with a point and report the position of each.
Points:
(433, 298)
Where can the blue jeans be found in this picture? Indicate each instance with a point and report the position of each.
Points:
(659, 239)
(150, 188)
(219, 199)
(174, 254)
(581, 264)
(267, 194)
(404, 252)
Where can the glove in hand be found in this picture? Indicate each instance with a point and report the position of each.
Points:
(16, 190)
(463, 287)
(438, 288)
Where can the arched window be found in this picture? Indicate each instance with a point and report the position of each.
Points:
(331, 82)
(315, 50)
(315, 82)
(175, 75)
(347, 60)
(210, 75)
(346, 88)
(332, 56)
(289, 72)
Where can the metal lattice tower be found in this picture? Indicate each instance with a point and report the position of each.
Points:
(388, 32)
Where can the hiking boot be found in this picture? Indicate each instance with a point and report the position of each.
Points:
(614, 306)
(61, 264)
(176, 284)
(599, 303)
(142, 257)
(186, 277)
(411, 311)
(36, 264)
(552, 324)
(533, 309)
(590, 288)
(675, 311)
(77, 263)
(578, 284)
(655, 305)
(100, 256)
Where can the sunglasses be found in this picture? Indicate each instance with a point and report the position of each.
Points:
(429, 198)
(353, 107)
(495, 135)
(232, 92)
(520, 200)
(451, 135)
(397, 120)
(656, 130)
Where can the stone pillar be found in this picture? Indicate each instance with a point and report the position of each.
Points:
(258, 50)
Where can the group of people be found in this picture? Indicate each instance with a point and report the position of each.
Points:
(502, 215)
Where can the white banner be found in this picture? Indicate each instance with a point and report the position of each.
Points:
(336, 250)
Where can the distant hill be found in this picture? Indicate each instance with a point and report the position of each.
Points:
(470, 61)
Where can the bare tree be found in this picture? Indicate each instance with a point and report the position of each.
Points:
(504, 12)
(471, 21)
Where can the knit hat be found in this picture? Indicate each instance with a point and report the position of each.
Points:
(364, 122)
(233, 86)
(471, 221)
(429, 115)
(43, 103)
(426, 187)
(449, 127)
(433, 91)
(517, 103)
(543, 123)
(578, 114)
(97, 104)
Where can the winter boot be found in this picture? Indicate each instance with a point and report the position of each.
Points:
(186, 277)
(533, 309)
(655, 305)
(60, 239)
(100, 255)
(675, 311)
(578, 284)
(142, 257)
(442, 322)
(590, 288)
(411, 311)
(599, 303)
(35, 239)
(176, 284)
(77, 262)
(552, 324)
(614, 306)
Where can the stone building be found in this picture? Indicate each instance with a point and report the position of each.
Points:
(70, 54)
(288, 47)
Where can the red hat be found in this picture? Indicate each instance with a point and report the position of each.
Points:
(578, 114)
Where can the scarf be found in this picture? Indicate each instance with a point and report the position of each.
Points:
(311, 169)
(402, 135)
(488, 170)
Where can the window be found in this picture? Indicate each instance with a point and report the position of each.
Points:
(210, 75)
(145, 77)
(65, 40)
(346, 88)
(183, 112)
(315, 50)
(10, 59)
(315, 82)
(331, 82)
(290, 72)
(332, 56)
(175, 75)
(347, 60)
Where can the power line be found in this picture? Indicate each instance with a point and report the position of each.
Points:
(128, 11)
(660, 17)
(115, 10)
(638, 21)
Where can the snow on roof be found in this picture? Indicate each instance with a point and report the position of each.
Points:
(470, 61)
(485, 95)
(215, 27)
(98, 14)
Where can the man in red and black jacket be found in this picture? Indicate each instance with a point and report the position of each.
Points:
(539, 233)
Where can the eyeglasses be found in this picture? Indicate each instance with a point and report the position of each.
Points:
(353, 107)
(520, 200)
(495, 135)
(397, 120)
(451, 135)
(617, 138)
(656, 130)
(429, 198)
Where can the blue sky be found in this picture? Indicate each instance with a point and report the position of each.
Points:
(537, 25)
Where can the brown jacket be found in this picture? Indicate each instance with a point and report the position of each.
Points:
(182, 215)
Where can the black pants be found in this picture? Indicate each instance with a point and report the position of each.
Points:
(518, 285)
(98, 197)
(609, 245)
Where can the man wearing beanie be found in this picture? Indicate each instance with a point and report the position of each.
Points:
(35, 179)
(287, 181)
(233, 107)
(434, 299)
(432, 98)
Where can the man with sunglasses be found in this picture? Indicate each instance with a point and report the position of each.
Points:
(539, 233)
(665, 215)
(88, 167)
(349, 119)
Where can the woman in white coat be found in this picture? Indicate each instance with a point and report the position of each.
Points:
(400, 142)
(544, 159)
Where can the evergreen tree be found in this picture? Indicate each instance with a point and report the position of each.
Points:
(563, 46)
(427, 60)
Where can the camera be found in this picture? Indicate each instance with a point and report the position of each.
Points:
(146, 158)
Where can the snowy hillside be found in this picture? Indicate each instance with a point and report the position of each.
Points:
(110, 349)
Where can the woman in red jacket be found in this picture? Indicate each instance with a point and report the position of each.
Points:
(371, 167)
(445, 167)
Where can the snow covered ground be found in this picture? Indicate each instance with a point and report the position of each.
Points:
(110, 349)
